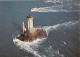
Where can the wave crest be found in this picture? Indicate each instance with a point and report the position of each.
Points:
(55, 27)
(34, 45)
(59, 6)
(29, 46)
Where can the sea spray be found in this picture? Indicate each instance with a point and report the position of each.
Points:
(29, 46)
(55, 27)
(59, 6)
(34, 45)
(49, 52)
(50, 9)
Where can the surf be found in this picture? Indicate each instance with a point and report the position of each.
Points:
(34, 45)
(59, 6)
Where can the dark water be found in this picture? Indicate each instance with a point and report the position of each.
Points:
(66, 39)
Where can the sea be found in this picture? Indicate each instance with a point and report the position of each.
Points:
(60, 19)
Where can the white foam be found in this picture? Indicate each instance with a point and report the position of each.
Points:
(33, 46)
(48, 1)
(53, 1)
(57, 8)
(60, 6)
(52, 53)
(66, 24)
(29, 46)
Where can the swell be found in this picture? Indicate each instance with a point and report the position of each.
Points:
(48, 51)
(59, 6)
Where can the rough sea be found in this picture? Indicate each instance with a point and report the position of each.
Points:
(60, 19)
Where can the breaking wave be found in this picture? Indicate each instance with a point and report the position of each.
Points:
(57, 26)
(29, 46)
(33, 47)
(55, 9)
(59, 6)
(50, 9)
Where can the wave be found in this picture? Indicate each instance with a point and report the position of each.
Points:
(50, 9)
(29, 46)
(57, 26)
(59, 6)
(33, 47)
(54, 1)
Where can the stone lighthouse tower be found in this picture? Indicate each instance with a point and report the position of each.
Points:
(30, 23)
(23, 27)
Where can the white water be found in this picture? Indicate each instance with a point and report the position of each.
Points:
(29, 46)
(32, 47)
(50, 9)
(55, 27)
(60, 6)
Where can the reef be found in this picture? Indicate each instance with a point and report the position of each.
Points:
(27, 36)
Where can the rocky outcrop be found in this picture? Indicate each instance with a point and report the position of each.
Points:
(39, 33)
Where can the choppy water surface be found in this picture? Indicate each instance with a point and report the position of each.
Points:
(53, 44)
(59, 18)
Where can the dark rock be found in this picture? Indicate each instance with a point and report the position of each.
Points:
(39, 33)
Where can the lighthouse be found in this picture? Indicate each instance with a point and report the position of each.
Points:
(31, 33)
(23, 27)
(30, 23)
